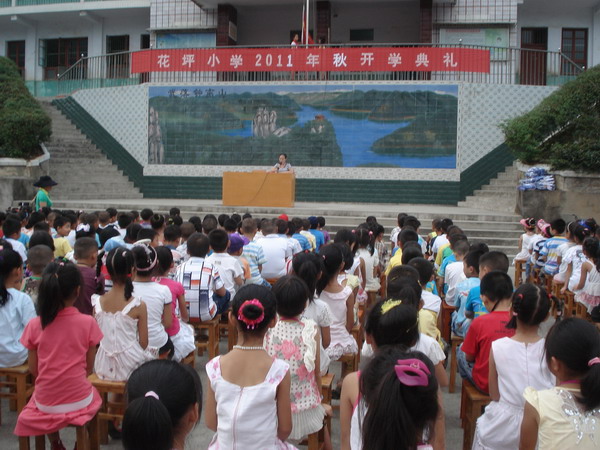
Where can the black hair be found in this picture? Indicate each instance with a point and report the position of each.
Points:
(84, 247)
(347, 255)
(197, 222)
(365, 239)
(291, 228)
(455, 238)
(579, 232)
(321, 221)
(408, 235)
(397, 414)
(494, 261)
(461, 247)
(187, 229)
(248, 225)
(530, 305)
(575, 342)
(247, 216)
(198, 245)
(403, 271)
(147, 233)
(165, 258)
(472, 259)
(174, 220)
(146, 214)
(496, 285)
(145, 259)
(425, 269)
(222, 218)
(591, 248)
(209, 223)
(39, 257)
(174, 212)
(393, 322)
(120, 263)
(230, 225)
(436, 223)
(400, 219)
(9, 261)
(87, 219)
(41, 238)
(479, 247)
(10, 227)
(157, 221)
(405, 288)
(344, 235)
(112, 212)
(252, 312)
(107, 233)
(379, 229)
(411, 252)
(291, 295)
(446, 223)
(150, 422)
(131, 232)
(236, 218)
(453, 230)
(308, 266)
(124, 220)
(60, 281)
(134, 214)
(42, 226)
(411, 221)
(558, 225)
(280, 225)
(332, 260)
(371, 220)
(218, 240)
(172, 233)
(35, 217)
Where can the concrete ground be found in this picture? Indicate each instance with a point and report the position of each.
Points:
(201, 436)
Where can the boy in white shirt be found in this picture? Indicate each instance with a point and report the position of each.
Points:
(455, 273)
(229, 268)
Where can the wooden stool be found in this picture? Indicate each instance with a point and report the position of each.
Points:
(581, 310)
(20, 386)
(456, 341)
(357, 333)
(316, 440)
(190, 359)
(446, 321)
(471, 407)
(110, 410)
(232, 335)
(82, 432)
(548, 283)
(326, 392)
(569, 304)
(519, 271)
(212, 345)
(349, 363)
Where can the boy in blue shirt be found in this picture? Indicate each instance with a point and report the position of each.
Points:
(488, 262)
(460, 322)
(549, 251)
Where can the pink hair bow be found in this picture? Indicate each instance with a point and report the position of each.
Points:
(412, 372)
(593, 361)
(251, 323)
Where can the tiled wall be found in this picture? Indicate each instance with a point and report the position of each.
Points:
(180, 14)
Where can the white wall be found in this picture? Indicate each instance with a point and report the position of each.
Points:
(271, 25)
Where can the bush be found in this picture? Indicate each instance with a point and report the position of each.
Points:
(563, 130)
(23, 123)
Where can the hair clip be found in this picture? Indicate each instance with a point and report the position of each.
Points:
(593, 361)
(412, 372)
(251, 323)
(353, 231)
(85, 227)
(370, 233)
(389, 304)
(152, 394)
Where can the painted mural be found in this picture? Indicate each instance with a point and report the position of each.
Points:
(402, 126)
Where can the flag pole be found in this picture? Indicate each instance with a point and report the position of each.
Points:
(307, 21)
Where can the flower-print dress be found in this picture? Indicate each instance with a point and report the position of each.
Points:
(294, 342)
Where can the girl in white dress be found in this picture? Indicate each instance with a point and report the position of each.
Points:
(295, 340)
(573, 260)
(525, 239)
(340, 301)
(567, 415)
(123, 320)
(589, 281)
(515, 363)
(309, 267)
(366, 251)
(248, 396)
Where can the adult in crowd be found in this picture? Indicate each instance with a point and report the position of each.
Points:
(42, 198)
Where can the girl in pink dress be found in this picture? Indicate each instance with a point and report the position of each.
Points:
(62, 346)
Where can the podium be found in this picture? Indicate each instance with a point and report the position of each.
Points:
(259, 188)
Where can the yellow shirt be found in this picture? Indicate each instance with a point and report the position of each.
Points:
(428, 325)
(439, 257)
(61, 247)
(395, 260)
(311, 238)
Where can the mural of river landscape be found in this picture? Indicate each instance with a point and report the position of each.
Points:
(407, 126)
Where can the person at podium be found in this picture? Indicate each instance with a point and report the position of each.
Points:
(282, 165)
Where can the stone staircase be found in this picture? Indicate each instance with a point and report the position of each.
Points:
(81, 169)
(499, 195)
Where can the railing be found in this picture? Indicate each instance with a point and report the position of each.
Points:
(13, 3)
(507, 66)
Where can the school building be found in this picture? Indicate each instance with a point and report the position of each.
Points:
(399, 97)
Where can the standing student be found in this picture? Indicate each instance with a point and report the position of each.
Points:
(62, 347)
(248, 396)
(567, 415)
(515, 364)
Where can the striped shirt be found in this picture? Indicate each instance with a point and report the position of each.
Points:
(255, 256)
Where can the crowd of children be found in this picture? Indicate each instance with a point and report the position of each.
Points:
(115, 293)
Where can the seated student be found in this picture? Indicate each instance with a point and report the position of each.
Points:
(304, 230)
(441, 241)
(187, 229)
(157, 222)
(549, 251)
(282, 231)
(488, 262)
(235, 249)
(229, 268)
(145, 216)
(405, 236)
(113, 216)
(318, 234)
(276, 251)
(39, 257)
(61, 244)
(230, 226)
(455, 235)
(16, 309)
(460, 322)
(209, 223)
(431, 302)
(123, 221)
(455, 273)
(148, 236)
(86, 254)
(293, 233)
(12, 230)
(171, 240)
(536, 246)
(204, 288)
(221, 220)
(473, 355)
(253, 253)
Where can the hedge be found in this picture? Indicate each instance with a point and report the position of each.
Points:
(23, 123)
(564, 129)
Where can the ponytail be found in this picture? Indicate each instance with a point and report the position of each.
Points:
(254, 308)
(332, 257)
(119, 264)
(591, 247)
(308, 266)
(9, 261)
(60, 281)
(530, 305)
(159, 394)
(365, 238)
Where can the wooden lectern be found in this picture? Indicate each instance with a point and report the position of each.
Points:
(259, 188)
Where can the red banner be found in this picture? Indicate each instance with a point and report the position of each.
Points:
(385, 59)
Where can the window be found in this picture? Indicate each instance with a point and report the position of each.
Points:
(60, 54)
(575, 47)
(15, 51)
(362, 35)
(117, 63)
